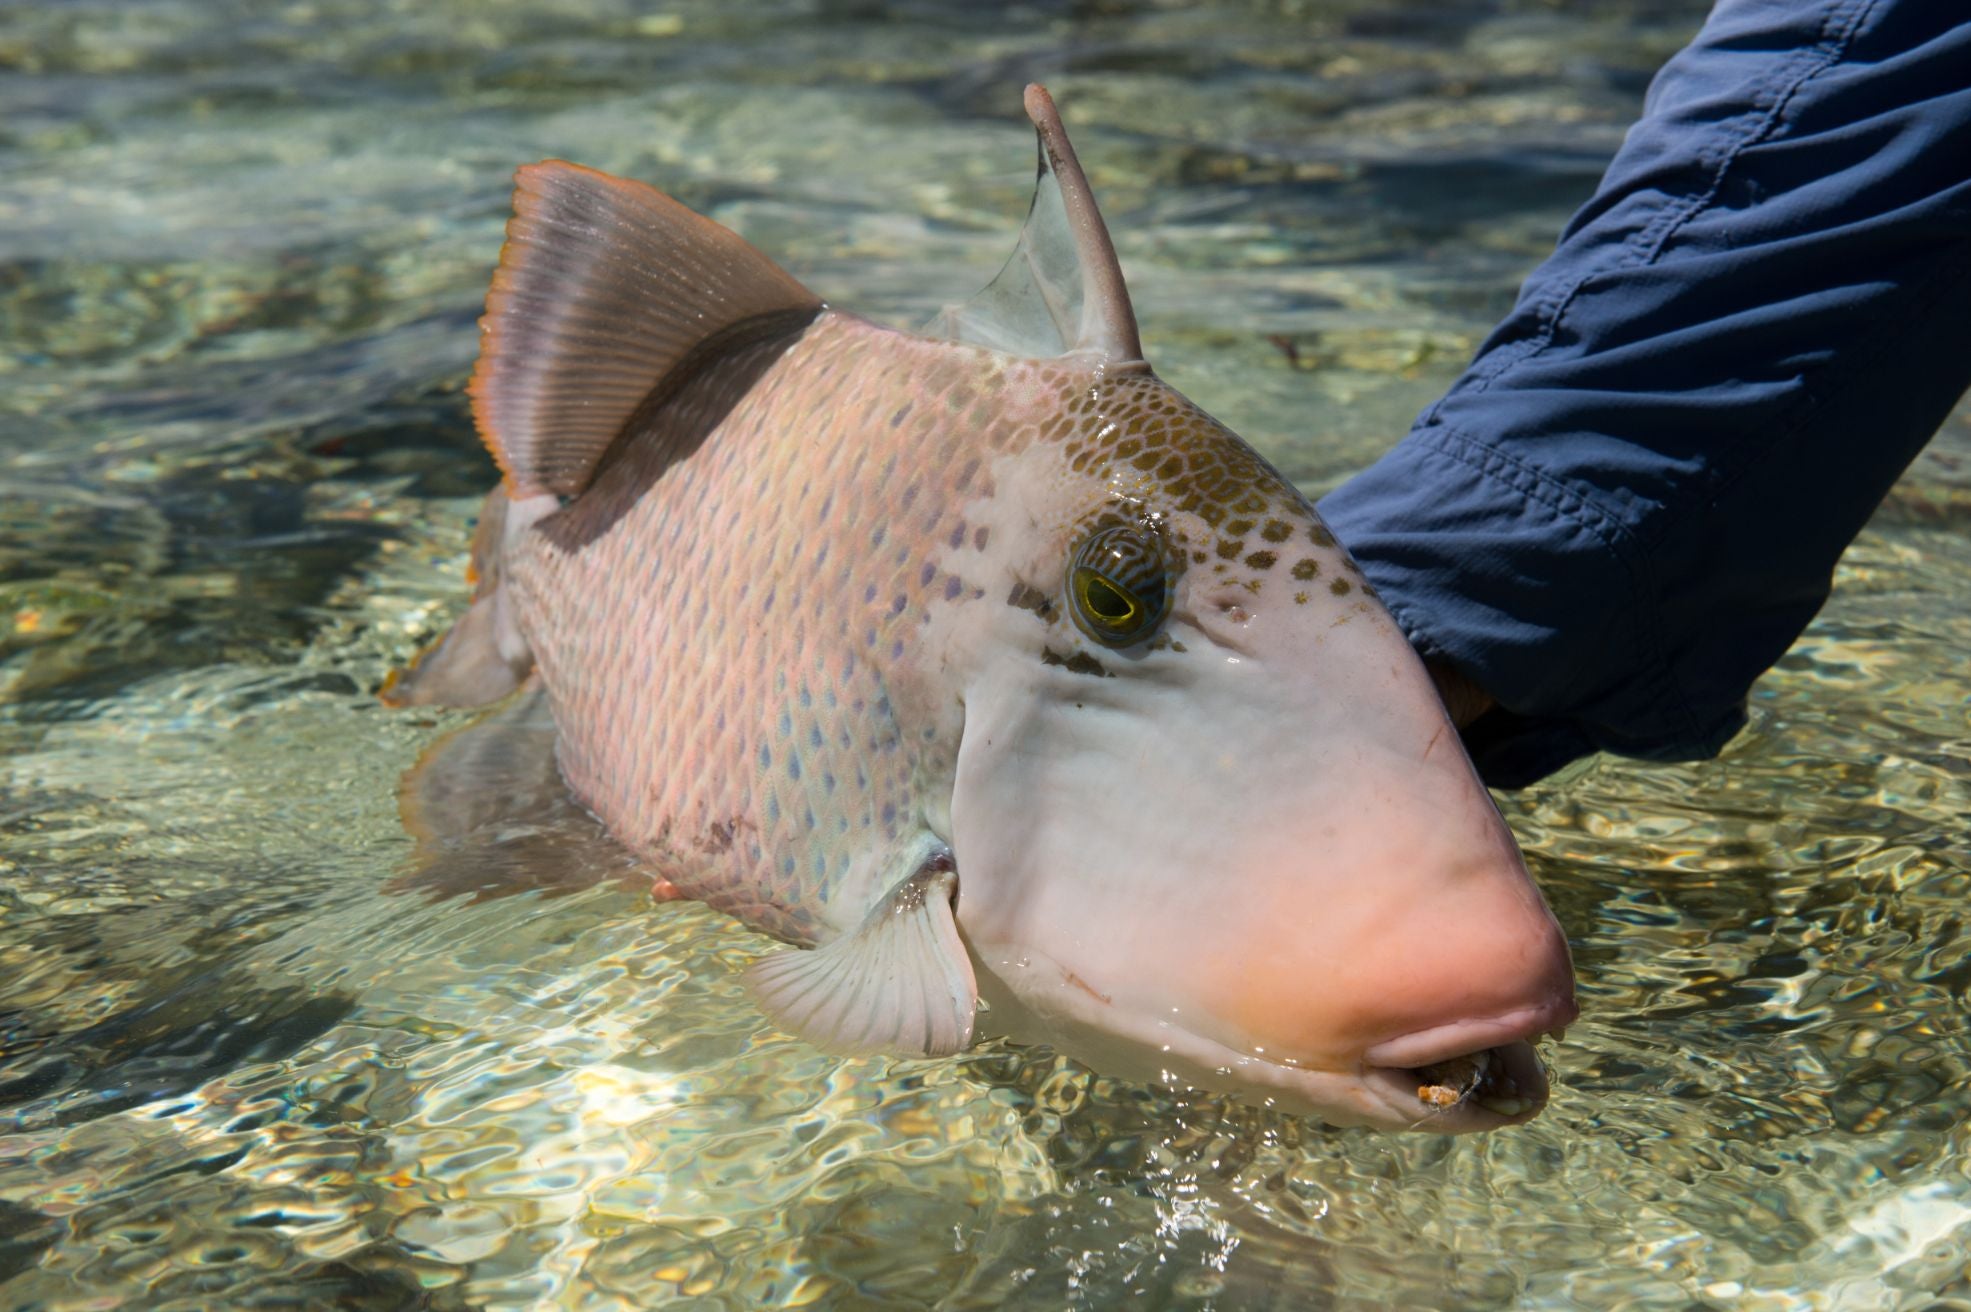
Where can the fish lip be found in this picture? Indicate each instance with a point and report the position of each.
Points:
(1375, 1096)
(1464, 1037)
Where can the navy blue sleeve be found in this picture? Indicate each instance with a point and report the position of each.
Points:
(1632, 501)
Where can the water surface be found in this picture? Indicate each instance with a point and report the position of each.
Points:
(242, 246)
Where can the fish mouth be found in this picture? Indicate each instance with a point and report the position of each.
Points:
(1476, 1074)
(1454, 1079)
(1482, 1090)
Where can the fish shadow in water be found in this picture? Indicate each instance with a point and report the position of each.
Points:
(491, 816)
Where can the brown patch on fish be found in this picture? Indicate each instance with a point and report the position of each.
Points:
(1025, 596)
(1087, 988)
(719, 835)
(1078, 663)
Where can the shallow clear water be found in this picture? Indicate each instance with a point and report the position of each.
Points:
(242, 246)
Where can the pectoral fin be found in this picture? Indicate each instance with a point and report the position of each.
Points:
(900, 983)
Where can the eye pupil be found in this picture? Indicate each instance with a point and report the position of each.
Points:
(1119, 584)
(1105, 601)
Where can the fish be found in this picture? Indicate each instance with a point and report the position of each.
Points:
(1007, 688)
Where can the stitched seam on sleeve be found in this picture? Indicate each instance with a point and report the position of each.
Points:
(1827, 52)
(1647, 246)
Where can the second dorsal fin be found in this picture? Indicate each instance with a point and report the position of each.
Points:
(604, 286)
(1062, 292)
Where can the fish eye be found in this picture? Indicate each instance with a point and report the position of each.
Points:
(1119, 584)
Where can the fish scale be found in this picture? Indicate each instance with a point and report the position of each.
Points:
(678, 688)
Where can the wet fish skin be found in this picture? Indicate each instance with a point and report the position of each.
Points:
(807, 626)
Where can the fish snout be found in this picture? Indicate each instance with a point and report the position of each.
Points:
(1490, 966)
(1429, 971)
(1457, 1028)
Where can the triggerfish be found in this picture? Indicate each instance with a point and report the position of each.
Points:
(1012, 689)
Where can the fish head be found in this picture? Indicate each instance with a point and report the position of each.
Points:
(1211, 820)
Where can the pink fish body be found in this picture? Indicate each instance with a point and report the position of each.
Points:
(986, 669)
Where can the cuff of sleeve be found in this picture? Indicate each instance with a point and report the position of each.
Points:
(1530, 589)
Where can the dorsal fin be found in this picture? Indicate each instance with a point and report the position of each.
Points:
(604, 286)
(1062, 292)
